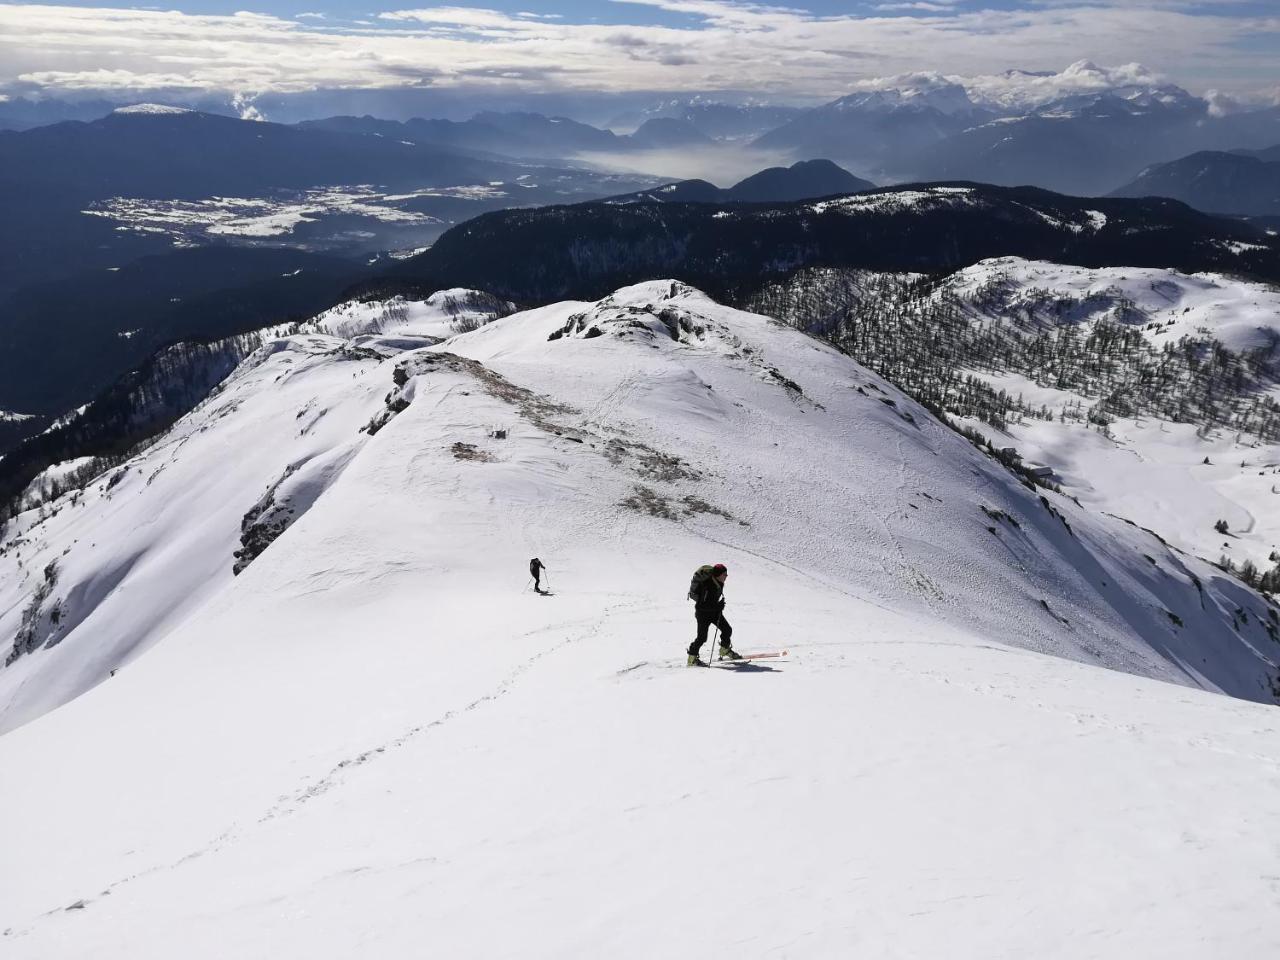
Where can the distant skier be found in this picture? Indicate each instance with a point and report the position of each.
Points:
(707, 593)
(535, 570)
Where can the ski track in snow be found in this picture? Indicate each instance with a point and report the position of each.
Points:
(346, 768)
(335, 776)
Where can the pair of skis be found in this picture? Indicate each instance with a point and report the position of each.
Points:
(746, 658)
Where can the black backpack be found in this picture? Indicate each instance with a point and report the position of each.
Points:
(700, 576)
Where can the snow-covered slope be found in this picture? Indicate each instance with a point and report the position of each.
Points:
(372, 740)
(1147, 469)
(440, 316)
(152, 540)
(1166, 304)
(112, 568)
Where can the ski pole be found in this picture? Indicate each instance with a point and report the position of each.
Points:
(714, 638)
(548, 576)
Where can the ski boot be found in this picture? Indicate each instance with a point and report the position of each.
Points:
(728, 653)
(695, 662)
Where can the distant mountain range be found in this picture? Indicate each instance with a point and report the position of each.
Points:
(547, 254)
(1080, 132)
(521, 134)
(169, 153)
(921, 128)
(1245, 182)
(666, 133)
(19, 113)
(883, 130)
(1081, 143)
(1076, 145)
(804, 180)
(713, 119)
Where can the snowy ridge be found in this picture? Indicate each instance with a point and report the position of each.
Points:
(930, 198)
(67, 418)
(38, 490)
(916, 92)
(152, 552)
(440, 316)
(1017, 92)
(893, 201)
(327, 399)
(154, 109)
(348, 724)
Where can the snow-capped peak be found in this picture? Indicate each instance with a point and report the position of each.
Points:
(1015, 93)
(155, 109)
(916, 91)
(1018, 92)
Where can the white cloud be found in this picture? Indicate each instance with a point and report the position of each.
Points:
(111, 81)
(727, 12)
(473, 17)
(932, 7)
(243, 105)
(1014, 89)
(772, 49)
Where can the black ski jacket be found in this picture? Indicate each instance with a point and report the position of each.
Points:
(709, 599)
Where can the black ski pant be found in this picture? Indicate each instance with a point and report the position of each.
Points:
(705, 621)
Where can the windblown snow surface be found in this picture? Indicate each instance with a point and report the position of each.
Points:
(1146, 469)
(377, 742)
(1168, 304)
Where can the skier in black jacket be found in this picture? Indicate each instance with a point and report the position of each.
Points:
(535, 570)
(708, 608)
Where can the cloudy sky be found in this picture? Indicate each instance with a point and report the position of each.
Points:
(808, 50)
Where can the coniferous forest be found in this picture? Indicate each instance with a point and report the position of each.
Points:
(936, 344)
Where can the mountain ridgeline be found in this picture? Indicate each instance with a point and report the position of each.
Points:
(185, 154)
(732, 251)
(517, 134)
(803, 180)
(1244, 183)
